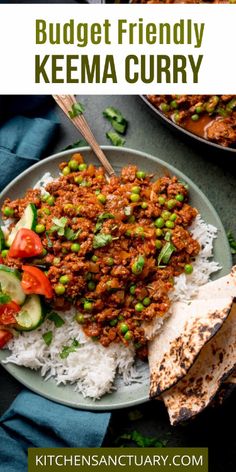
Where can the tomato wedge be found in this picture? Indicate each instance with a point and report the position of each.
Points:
(8, 312)
(26, 244)
(35, 281)
(5, 336)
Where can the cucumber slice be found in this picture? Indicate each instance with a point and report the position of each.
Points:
(2, 240)
(31, 314)
(28, 220)
(10, 284)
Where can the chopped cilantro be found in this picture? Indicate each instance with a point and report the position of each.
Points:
(232, 242)
(57, 320)
(76, 144)
(76, 110)
(101, 240)
(115, 139)
(66, 350)
(117, 120)
(47, 337)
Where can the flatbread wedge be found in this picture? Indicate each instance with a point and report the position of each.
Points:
(215, 362)
(190, 326)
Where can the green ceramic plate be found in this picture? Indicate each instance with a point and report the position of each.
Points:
(136, 393)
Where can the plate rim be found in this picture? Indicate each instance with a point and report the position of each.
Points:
(92, 406)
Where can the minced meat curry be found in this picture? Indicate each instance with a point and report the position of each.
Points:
(210, 116)
(111, 249)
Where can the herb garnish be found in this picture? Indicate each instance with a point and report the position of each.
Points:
(115, 139)
(232, 242)
(105, 216)
(66, 350)
(4, 298)
(80, 143)
(165, 253)
(47, 337)
(117, 120)
(71, 235)
(57, 320)
(59, 225)
(143, 441)
(76, 110)
(101, 240)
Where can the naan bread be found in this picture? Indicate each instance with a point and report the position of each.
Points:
(190, 326)
(215, 362)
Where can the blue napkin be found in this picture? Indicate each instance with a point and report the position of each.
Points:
(33, 421)
(27, 127)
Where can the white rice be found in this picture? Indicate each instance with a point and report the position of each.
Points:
(92, 368)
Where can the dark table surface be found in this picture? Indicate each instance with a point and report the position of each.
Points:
(215, 175)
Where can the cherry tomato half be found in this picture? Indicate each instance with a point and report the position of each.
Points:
(5, 336)
(8, 312)
(26, 244)
(35, 281)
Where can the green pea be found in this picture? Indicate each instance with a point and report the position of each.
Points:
(128, 233)
(59, 289)
(139, 307)
(159, 222)
(7, 211)
(131, 219)
(136, 189)
(174, 104)
(165, 215)
(39, 229)
(88, 306)
(128, 336)
(66, 170)
(88, 276)
(44, 197)
(139, 231)
(164, 107)
(64, 279)
(44, 252)
(195, 117)
(113, 322)
(56, 261)
(91, 285)
(46, 211)
(120, 317)
(132, 289)
(173, 217)
(4, 253)
(176, 117)
(199, 109)
(102, 198)
(51, 200)
(110, 261)
(140, 174)
(146, 301)
(171, 204)
(161, 200)
(170, 224)
(79, 318)
(123, 328)
(78, 179)
(75, 247)
(144, 205)
(94, 258)
(97, 191)
(82, 167)
(179, 197)
(159, 232)
(134, 197)
(158, 244)
(188, 268)
(73, 164)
